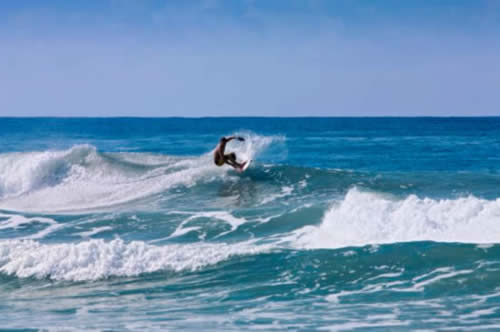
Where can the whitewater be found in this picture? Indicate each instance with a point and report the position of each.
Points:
(339, 224)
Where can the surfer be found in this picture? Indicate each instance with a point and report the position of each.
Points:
(220, 158)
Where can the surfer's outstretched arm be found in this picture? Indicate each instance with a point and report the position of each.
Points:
(230, 138)
(223, 142)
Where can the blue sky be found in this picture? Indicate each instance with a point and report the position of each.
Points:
(249, 58)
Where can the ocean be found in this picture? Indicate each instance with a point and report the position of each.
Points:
(338, 224)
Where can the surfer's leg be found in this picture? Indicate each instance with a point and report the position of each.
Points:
(230, 159)
(233, 164)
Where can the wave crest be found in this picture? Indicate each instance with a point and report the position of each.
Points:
(363, 218)
(24, 172)
(97, 259)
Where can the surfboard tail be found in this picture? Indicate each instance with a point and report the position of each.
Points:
(245, 165)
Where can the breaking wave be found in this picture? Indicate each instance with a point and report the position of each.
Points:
(363, 218)
(98, 259)
(83, 178)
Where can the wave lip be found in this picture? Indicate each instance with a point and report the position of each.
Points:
(21, 173)
(97, 259)
(364, 218)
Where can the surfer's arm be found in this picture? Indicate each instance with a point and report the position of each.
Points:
(230, 138)
(222, 144)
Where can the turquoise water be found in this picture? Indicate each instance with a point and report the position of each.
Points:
(339, 224)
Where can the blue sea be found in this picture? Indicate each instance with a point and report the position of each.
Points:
(338, 224)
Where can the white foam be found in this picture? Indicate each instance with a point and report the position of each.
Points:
(420, 285)
(363, 218)
(14, 221)
(285, 191)
(179, 231)
(485, 246)
(303, 183)
(479, 313)
(225, 216)
(348, 326)
(97, 259)
(94, 231)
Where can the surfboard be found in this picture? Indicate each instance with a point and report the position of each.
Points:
(245, 166)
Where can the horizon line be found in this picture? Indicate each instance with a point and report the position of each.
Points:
(253, 117)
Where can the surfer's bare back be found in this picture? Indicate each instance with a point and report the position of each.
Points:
(220, 158)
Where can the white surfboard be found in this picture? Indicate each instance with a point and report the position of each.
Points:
(245, 166)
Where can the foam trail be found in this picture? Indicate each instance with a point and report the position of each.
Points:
(97, 259)
(16, 221)
(233, 221)
(285, 191)
(363, 218)
(94, 231)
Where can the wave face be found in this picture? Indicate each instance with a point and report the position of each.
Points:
(338, 224)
